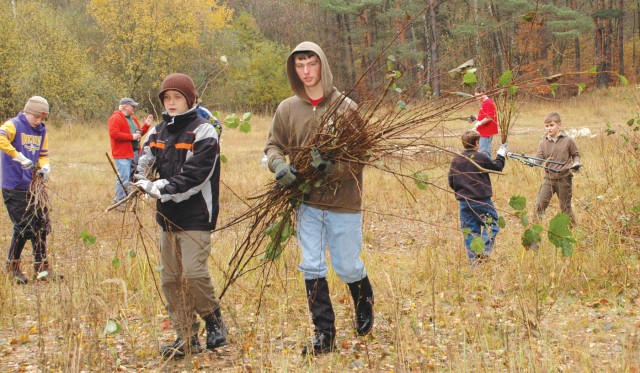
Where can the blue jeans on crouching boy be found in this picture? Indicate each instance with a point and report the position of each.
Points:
(485, 145)
(481, 217)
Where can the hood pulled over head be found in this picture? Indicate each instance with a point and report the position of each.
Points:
(326, 76)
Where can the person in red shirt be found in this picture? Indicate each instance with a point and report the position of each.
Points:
(487, 122)
(125, 133)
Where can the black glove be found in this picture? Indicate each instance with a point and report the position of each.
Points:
(320, 163)
(472, 119)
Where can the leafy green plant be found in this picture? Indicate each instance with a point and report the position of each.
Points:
(519, 204)
(477, 245)
(421, 179)
(87, 238)
(233, 121)
(279, 231)
(531, 237)
(559, 233)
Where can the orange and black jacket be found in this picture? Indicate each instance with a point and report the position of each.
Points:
(184, 151)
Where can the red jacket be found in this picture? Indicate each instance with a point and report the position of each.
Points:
(488, 109)
(121, 136)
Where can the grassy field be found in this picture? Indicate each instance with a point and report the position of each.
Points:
(522, 311)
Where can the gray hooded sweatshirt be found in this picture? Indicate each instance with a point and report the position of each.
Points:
(295, 123)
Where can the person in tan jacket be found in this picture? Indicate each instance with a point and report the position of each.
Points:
(331, 215)
(560, 148)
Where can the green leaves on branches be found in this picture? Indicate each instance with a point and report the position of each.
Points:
(558, 230)
(560, 235)
(279, 231)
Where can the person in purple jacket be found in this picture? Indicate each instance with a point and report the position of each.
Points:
(24, 145)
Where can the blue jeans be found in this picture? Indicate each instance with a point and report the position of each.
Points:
(341, 232)
(485, 146)
(481, 218)
(124, 170)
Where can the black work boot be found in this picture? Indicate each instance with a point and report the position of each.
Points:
(216, 330)
(181, 348)
(13, 269)
(43, 272)
(322, 316)
(362, 295)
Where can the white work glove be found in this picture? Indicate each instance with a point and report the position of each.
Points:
(139, 176)
(576, 167)
(475, 126)
(25, 162)
(152, 188)
(44, 171)
(503, 150)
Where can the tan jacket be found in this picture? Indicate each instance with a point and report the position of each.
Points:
(296, 122)
(563, 149)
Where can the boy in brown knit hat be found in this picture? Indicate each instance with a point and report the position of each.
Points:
(184, 153)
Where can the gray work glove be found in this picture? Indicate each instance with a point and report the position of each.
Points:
(472, 119)
(25, 162)
(44, 171)
(320, 163)
(152, 188)
(503, 150)
(285, 173)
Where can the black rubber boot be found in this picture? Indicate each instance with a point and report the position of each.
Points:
(13, 269)
(362, 295)
(180, 348)
(216, 330)
(322, 316)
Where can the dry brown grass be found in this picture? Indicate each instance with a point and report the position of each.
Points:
(520, 312)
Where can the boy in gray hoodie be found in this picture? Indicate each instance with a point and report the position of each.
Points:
(331, 215)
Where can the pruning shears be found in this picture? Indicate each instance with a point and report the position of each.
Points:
(533, 161)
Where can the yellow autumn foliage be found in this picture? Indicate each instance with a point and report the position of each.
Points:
(42, 57)
(144, 39)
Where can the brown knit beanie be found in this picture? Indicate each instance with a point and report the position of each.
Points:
(181, 83)
(37, 106)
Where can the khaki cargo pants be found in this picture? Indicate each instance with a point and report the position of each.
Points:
(185, 279)
(563, 188)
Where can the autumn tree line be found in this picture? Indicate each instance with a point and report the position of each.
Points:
(83, 55)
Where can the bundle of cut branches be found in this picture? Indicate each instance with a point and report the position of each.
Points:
(378, 129)
(38, 196)
(381, 129)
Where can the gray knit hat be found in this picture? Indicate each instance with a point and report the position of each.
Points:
(37, 106)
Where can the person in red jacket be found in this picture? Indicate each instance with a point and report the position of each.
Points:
(125, 133)
(487, 122)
